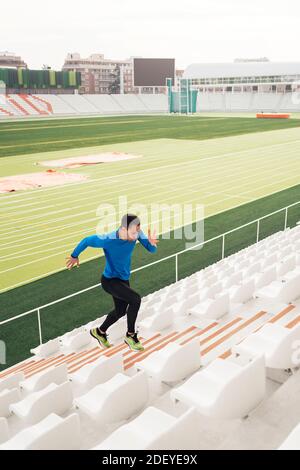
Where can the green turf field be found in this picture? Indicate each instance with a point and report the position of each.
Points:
(237, 167)
(40, 227)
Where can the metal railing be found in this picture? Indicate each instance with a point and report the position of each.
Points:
(222, 236)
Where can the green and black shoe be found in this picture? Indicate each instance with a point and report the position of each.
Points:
(101, 338)
(133, 342)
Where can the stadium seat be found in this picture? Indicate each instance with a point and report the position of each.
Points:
(52, 433)
(7, 398)
(12, 381)
(97, 372)
(172, 363)
(225, 389)
(242, 292)
(153, 430)
(4, 433)
(282, 290)
(162, 319)
(52, 399)
(275, 341)
(265, 277)
(212, 308)
(47, 349)
(55, 374)
(115, 400)
(73, 343)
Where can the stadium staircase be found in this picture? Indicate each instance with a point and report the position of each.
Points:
(218, 348)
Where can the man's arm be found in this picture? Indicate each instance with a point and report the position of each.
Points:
(149, 243)
(94, 241)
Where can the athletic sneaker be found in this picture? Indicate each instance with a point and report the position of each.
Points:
(133, 342)
(101, 338)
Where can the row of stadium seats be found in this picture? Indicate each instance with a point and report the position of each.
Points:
(251, 102)
(210, 340)
(54, 105)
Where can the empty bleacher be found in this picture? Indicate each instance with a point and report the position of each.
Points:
(219, 347)
(247, 102)
(17, 106)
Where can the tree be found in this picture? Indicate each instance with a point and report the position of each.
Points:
(114, 87)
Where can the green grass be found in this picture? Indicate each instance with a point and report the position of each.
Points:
(21, 138)
(39, 228)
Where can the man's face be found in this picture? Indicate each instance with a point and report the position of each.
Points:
(133, 232)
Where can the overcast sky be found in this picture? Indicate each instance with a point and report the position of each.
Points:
(43, 32)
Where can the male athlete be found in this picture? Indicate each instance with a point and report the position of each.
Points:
(118, 247)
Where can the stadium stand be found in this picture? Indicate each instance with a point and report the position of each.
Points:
(246, 102)
(210, 360)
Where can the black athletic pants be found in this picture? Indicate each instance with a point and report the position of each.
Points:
(126, 300)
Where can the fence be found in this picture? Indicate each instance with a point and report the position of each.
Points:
(221, 237)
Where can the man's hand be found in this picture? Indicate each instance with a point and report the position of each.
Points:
(152, 237)
(72, 262)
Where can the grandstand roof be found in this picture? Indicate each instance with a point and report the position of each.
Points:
(241, 69)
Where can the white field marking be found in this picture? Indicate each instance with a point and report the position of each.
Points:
(69, 186)
(90, 191)
(39, 216)
(32, 128)
(27, 281)
(207, 194)
(94, 122)
(154, 222)
(112, 225)
(252, 161)
(190, 189)
(63, 252)
(208, 171)
(200, 142)
(95, 219)
(115, 176)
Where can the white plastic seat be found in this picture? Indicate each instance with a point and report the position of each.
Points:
(99, 371)
(172, 363)
(292, 442)
(269, 260)
(7, 398)
(254, 268)
(225, 389)
(265, 277)
(56, 374)
(52, 399)
(275, 342)
(115, 400)
(232, 280)
(283, 291)
(48, 349)
(153, 429)
(160, 320)
(286, 265)
(12, 381)
(4, 433)
(52, 433)
(212, 308)
(243, 292)
(78, 341)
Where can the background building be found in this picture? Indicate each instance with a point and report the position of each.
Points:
(100, 75)
(11, 60)
(239, 77)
